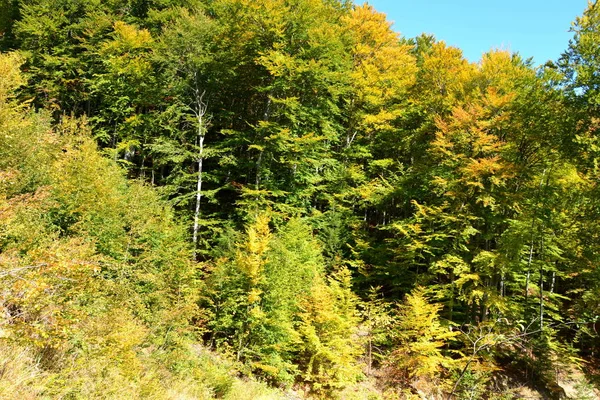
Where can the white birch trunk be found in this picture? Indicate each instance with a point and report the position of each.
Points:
(200, 112)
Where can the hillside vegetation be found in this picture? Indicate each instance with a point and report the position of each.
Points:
(286, 199)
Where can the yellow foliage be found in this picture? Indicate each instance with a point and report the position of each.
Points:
(130, 38)
(10, 75)
(329, 322)
(446, 78)
(127, 52)
(421, 338)
(383, 68)
(252, 259)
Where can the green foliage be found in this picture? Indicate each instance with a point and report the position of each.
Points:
(97, 278)
(272, 307)
(334, 157)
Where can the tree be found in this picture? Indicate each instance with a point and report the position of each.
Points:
(329, 350)
(274, 309)
(93, 266)
(420, 338)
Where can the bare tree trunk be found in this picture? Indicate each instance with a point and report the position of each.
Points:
(542, 281)
(198, 192)
(200, 112)
(451, 305)
(541, 298)
(370, 344)
(370, 356)
(532, 241)
(350, 139)
(528, 270)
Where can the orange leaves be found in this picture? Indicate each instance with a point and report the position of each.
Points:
(468, 142)
(466, 134)
(494, 100)
(482, 166)
(472, 134)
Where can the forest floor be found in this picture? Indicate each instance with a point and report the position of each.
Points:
(573, 384)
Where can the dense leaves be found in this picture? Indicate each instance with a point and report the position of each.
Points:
(299, 188)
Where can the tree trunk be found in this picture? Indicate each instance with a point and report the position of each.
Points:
(542, 282)
(198, 192)
(528, 271)
(200, 112)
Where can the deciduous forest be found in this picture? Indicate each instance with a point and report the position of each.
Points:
(287, 199)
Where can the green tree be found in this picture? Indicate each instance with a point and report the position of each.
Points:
(273, 308)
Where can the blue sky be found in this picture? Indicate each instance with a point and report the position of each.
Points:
(534, 28)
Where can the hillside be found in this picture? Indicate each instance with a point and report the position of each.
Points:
(287, 199)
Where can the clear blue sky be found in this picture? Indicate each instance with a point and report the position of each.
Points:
(534, 28)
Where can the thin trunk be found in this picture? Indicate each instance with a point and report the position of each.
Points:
(451, 305)
(528, 270)
(541, 298)
(198, 192)
(532, 241)
(484, 308)
(266, 116)
(200, 112)
(370, 345)
(370, 355)
(460, 376)
(240, 348)
(542, 282)
(258, 162)
(350, 139)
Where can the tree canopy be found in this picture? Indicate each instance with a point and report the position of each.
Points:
(236, 199)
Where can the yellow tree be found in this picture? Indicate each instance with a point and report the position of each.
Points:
(383, 70)
(420, 338)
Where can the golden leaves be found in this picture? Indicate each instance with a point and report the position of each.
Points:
(446, 79)
(127, 52)
(10, 74)
(383, 68)
(251, 257)
(128, 37)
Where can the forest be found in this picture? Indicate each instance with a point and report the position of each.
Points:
(288, 199)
